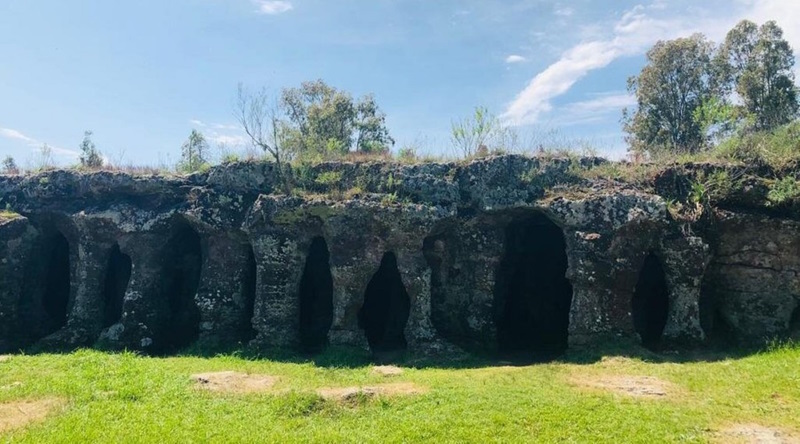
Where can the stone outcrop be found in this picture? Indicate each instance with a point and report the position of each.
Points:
(509, 253)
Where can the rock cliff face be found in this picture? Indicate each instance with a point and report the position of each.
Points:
(509, 254)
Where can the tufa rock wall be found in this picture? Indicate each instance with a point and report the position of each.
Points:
(508, 254)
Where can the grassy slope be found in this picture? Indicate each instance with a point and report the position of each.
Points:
(126, 398)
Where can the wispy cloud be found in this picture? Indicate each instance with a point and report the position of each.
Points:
(230, 140)
(272, 7)
(220, 133)
(636, 31)
(632, 34)
(9, 133)
(604, 102)
(514, 58)
(563, 11)
(597, 108)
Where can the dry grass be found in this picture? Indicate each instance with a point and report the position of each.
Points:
(755, 434)
(234, 382)
(390, 390)
(18, 414)
(636, 386)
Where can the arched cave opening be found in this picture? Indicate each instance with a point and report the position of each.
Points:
(386, 308)
(248, 289)
(118, 274)
(650, 303)
(533, 294)
(316, 297)
(55, 300)
(183, 260)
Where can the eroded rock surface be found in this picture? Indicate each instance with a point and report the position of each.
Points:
(509, 253)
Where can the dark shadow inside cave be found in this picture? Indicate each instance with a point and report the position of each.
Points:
(55, 299)
(533, 295)
(386, 308)
(794, 323)
(118, 274)
(316, 297)
(183, 259)
(248, 289)
(650, 303)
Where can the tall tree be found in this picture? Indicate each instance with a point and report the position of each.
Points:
(193, 152)
(756, 63)
(675, 82)
(325, 120)
(90, 156)
(372, 136)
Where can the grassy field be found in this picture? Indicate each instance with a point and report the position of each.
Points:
(597, 395)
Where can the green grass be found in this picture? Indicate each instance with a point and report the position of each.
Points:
(129, 398)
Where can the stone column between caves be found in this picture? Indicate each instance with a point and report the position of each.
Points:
(220, 298)
(85, 316)
(144, 306)
(350, 280)
(416, 276)
(17, 240)
(685, 262)
(589, 317)
(279, 262)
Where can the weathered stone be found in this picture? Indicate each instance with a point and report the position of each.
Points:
(154, 263)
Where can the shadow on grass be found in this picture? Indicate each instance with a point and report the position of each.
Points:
(353, 357)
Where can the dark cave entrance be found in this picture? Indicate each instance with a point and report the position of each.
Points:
(248, 289)
(386, 308)
(183, 260)
(55, 299)
(118, 274)
(794, 323)
(316, 297)
(650, 304)
(533, 294)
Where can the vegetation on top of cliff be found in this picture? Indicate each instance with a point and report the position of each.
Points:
(732, 107)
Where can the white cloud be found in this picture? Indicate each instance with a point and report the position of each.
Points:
(594, 109)
(36, 144)
(227, 139)
(635, 32)
(604, 103)
(564, 11)
(197, 123)
(14, 134)
(272, 7)
(514, 58)
(228, 127)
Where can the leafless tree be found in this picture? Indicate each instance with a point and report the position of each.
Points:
(259, 115)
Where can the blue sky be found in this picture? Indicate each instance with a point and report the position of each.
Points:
(143, 74)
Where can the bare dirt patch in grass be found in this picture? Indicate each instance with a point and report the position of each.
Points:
(754, 434)
(387, 370)
(350, 393)
(636, 386)
(13, 385)
(5, 358)
(234, 382)
(18, 414)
